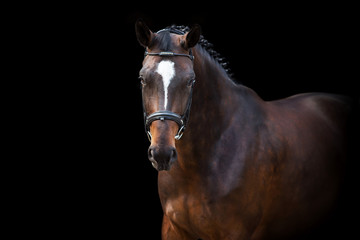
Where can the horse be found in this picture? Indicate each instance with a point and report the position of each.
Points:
(242, 167)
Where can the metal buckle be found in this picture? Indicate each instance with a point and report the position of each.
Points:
(149, 135)
(180, 133)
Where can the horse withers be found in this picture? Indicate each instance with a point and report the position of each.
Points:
(232, 166)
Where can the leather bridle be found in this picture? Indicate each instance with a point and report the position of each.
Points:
(162, 115)
(170, 54)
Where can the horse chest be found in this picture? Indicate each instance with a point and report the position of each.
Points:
(189, 212)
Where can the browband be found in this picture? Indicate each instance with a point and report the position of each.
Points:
(170, 54)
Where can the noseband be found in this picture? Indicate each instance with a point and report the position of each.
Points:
(181, 120)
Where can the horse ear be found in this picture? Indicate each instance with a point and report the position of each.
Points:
(143, 33)
(193, 36)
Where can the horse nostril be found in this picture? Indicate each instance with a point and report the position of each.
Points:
(150, 153)
(173, 155)
(151, 157)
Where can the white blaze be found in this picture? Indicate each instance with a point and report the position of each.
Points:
(167, 71)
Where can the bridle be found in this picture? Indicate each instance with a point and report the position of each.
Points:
(162, 115)
(170, 54)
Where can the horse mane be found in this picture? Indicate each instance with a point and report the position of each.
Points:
(205, 45)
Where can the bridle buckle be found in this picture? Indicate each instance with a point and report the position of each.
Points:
(180, 133)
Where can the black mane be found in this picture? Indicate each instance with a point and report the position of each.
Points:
(165, 44)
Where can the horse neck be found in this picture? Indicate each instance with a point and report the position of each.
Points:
(213, 84)
(215, 100)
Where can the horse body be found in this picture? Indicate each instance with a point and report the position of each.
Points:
(247, 168)
(265, 167)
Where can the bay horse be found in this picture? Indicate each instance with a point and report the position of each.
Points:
(242, 168)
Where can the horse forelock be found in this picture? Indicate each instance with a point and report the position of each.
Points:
(163, 41)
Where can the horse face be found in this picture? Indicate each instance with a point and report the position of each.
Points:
(166, 86)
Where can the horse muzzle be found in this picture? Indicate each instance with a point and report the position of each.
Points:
(162, 158)
(162, 152)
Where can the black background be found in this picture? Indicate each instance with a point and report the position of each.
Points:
(98, 180)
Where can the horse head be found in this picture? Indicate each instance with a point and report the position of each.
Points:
(167, 79)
